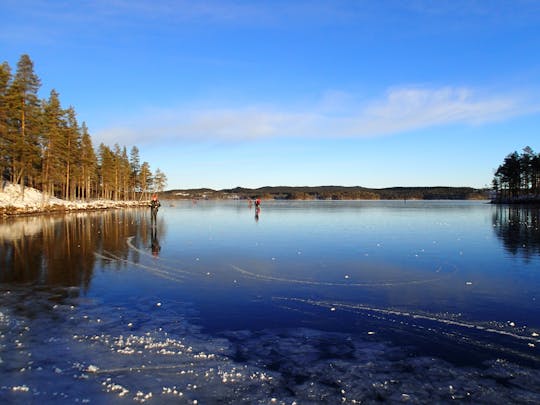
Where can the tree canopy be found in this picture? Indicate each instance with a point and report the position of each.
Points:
(42, 145)
(517, 179)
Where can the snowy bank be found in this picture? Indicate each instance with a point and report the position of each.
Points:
(13, 201)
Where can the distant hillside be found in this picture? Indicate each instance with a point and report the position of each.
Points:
(332, 193)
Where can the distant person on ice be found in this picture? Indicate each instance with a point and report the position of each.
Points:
(257, 208)
(154, 206)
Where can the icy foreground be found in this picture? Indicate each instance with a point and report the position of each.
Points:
(97, 356)
(14, 201)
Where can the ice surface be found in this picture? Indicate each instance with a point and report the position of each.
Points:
(62, 345)
(83, 360)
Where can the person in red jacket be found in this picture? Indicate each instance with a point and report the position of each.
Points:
(154, 206)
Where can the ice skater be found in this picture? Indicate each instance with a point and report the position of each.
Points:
(257, 208)
(154, 207)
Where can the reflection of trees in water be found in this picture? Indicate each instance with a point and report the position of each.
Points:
(61, 250)
(519, 228)
(20, 259)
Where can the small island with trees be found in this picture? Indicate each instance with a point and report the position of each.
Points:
(517, 179)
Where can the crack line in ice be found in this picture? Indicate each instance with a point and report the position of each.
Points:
(152, 270)
(295, 281)
(129, 242)
(329, 283)
(145, 368)
(333, 305)
(159, 259)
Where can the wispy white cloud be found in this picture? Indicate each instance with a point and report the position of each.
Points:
(410, 108)
(334, 115)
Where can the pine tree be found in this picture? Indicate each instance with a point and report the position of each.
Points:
(106, 171)
(88, 162)
(535, 169)
(125, 171)
(71, 146)
(52, 141)
(5, 79)
(135, 165)
(160, 181)
(145, 179)
(117, 169)
(23, 115)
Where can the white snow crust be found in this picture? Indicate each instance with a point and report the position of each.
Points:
(14, 200)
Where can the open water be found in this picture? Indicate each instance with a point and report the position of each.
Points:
(302, 302)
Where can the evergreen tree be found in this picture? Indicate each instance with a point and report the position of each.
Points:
(71, 147)
(125, 173)
(106, 171)
(535, 175)
(23, 117)
(145, 179)
(135, 165)
(52, 138)
(160, 181)
(5, 79)
(88, 163)
(117, 167)
(121, 172)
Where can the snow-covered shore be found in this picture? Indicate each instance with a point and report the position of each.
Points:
(14, 202)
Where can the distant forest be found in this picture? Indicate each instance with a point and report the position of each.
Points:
(43, 146)
(518, 178)
(333, 193)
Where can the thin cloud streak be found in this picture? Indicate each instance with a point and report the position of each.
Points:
(401, 110)
(407, 109)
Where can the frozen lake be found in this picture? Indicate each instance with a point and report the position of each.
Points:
(304, 302)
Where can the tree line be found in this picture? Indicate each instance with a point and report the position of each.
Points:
(43, 146)
(333, 193)
(518, 177)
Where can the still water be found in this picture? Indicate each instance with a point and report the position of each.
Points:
(302, 302)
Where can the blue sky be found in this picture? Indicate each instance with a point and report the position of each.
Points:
(375, 93)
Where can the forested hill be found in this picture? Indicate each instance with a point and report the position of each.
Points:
(333, 193)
